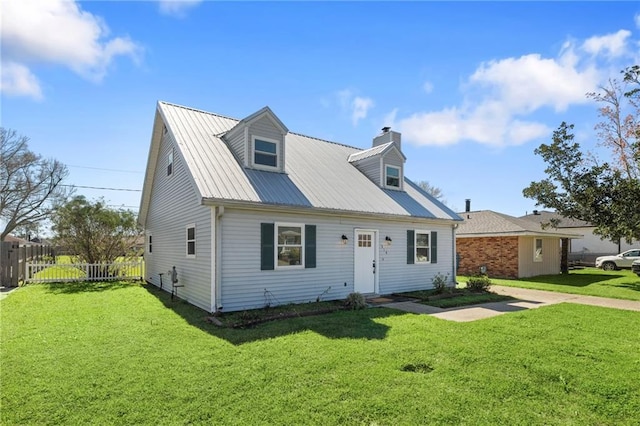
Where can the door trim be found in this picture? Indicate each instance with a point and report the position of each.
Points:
(376, 254)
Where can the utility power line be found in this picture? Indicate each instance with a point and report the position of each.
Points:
(106, 170)
(105, 189)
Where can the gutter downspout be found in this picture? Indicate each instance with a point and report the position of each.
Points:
(454, 254)
(218, 257)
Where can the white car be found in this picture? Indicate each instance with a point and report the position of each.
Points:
(635, 267)
(622, 260)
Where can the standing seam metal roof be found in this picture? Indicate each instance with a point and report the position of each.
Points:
(318, 173)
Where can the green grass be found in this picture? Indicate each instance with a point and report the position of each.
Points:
(63, 271)
(622, 284)
(120, 353)
(467, 299)
(455, 297)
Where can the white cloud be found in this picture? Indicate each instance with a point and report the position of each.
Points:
(427, 87)
(177, 8)
(637, 20)
(530, 82)
(60, 32)
(501, 95)
(360, 107)
(17, 80)
(356, 106)
(612, 45)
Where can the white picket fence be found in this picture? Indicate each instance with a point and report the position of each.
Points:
(42, 272)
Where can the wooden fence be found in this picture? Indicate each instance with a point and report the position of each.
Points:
(43, 272)
(14, 258)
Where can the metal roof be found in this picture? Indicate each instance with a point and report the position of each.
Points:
(371, 152)
(318, 172)
(489, 223)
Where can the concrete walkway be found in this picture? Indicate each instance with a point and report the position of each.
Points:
(524, 299)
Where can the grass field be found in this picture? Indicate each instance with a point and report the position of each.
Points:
(120, 353)
(65, 269)
(622, 284)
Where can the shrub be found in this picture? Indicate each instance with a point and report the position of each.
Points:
(355, 301)
(478, 283)
(440, 282)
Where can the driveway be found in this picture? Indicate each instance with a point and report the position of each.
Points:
(524, 299)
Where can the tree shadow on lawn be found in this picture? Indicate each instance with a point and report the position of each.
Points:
(572, 280)
(336, 325)
(85, 286)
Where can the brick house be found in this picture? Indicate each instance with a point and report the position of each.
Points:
(504, 246)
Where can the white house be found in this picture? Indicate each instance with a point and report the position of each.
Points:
(590, 245)
(251, 214)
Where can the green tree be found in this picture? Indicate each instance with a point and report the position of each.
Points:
(579, 186)
(95, 233)
(30, 186)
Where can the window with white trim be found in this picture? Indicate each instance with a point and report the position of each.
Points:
(191, 240)
(537, 250)
(170, 162)
(422, 246)
(290, 241)
(150, 243)
(265, 153)
(392, 176)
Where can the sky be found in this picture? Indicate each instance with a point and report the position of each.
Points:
(474, 87)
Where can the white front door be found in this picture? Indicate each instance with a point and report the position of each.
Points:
(365, 262)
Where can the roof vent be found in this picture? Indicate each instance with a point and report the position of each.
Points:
(386, 129)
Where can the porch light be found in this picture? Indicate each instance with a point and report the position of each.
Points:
(345, 239)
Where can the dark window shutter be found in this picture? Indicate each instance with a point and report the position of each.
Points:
(411, 247)
(309, 246)
(434, 247)
(266, 246)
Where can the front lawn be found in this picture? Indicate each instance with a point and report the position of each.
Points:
(622, 284)
(120, 353)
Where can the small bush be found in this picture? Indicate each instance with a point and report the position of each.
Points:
(440, 282)
(478, 283)
(355, 301)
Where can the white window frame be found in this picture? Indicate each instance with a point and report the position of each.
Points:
(187, 240)
(387, 166)
(538, 257)
(253, 153)
(170, 162)
(149, 243)
(277, 245)
(415, 247)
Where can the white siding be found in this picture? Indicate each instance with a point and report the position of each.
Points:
(592, 244)
(175, 204)
(238, 145)
(550, 257)
(244, 284)
(370, 167)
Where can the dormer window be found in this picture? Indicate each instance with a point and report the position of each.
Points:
(392, 176)
(265, 153)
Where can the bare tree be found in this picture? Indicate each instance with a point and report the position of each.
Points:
(618, 129)
(434, 191)
(30, 186)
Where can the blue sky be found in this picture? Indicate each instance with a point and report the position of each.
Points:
(473, 87)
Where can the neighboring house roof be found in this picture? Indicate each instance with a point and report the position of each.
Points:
(563, 222)
(487, 223)
(13, 239)
(318, 172)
